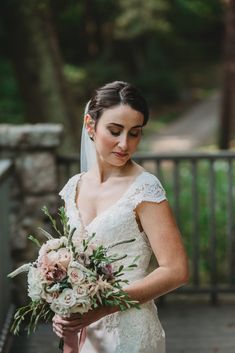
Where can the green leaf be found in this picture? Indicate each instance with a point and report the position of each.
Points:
(48, 235)
(34, 240)
(45, 210)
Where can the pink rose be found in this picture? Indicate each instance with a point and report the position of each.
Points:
(54, 273)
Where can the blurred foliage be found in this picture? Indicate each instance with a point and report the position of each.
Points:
(166, 47)
(11, 109)
(204, 213)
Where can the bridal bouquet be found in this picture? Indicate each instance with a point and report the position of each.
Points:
(71, 275)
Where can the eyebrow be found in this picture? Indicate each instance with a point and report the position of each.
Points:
(119, 125)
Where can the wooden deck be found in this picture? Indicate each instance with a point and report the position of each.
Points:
(191, 327)
(198, 327)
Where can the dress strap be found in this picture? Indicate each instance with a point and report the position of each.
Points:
(68, 192)
(147, 188)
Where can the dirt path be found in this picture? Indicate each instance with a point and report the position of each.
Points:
(196, 128)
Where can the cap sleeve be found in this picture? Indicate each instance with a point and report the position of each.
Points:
(69, 189)
(148, 189)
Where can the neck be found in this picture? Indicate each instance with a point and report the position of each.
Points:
(104, 171)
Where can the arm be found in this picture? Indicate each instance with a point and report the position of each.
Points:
(159, 225)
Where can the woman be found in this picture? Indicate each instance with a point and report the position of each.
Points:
(117, 199)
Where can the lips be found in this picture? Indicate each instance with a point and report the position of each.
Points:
(120, 155)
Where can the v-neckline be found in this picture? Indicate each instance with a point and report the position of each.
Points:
(107, 209)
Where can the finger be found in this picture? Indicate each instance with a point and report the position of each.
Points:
(71, 323)
(58, 333)
(56, 325)
(75, 316)
(63, 329)
(56, 317)
(72, 329)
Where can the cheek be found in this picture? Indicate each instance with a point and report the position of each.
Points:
(104, 138)
(135, 143)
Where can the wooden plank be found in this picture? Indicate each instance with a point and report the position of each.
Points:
(198, 328)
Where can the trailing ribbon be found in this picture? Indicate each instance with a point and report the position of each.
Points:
(73, 344)
(82, 339)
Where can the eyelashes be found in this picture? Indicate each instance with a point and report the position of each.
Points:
(114, 133)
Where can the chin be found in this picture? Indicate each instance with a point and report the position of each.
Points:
(122, 162)
(117, 163)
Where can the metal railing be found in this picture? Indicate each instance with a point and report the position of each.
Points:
(200, 188)
(6, 309)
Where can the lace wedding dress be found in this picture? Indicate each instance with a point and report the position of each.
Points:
(132, 331)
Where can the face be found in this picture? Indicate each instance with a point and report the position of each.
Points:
(117, 134)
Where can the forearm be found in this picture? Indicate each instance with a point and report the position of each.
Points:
(159, 282)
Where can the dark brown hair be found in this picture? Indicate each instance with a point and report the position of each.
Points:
(115, 93)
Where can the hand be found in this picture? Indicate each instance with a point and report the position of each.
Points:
(63, 326)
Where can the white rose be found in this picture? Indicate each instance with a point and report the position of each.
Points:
(64, 303)
(64, 257)
(76, 276)
(54, 288)
(58, 309)
(67, 298)
(61, 256)
(51, 293)
(35, 286)
(83, 304)
(52, 257)
(42, 251)
(53, 244)
(81, 309)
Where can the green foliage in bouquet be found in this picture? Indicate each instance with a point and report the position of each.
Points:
(71, 275)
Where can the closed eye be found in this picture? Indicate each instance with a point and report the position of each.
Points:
(131, 133)
(134, 134)
(115, 133)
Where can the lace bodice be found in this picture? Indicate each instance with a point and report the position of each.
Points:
(119, 223)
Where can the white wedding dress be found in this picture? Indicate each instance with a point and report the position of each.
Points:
(132, 331)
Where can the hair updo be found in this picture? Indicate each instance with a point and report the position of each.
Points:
(113, 94)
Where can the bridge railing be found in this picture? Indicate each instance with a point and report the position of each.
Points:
(200, 189)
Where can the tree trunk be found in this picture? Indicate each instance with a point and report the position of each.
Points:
(35, 55)
(227, 126)
(91, 29)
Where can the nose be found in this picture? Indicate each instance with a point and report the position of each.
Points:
(123, 142)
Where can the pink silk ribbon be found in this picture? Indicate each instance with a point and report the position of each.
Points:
(75, 345)
(82, 339)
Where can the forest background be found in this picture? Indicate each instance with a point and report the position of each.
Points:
(54, 53)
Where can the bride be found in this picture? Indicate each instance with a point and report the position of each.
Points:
(117, 199)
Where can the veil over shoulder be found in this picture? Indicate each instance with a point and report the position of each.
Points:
(87, 151)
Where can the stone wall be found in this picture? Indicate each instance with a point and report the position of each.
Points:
(32, 148)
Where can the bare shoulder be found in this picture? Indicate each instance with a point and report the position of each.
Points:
(157, 210)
